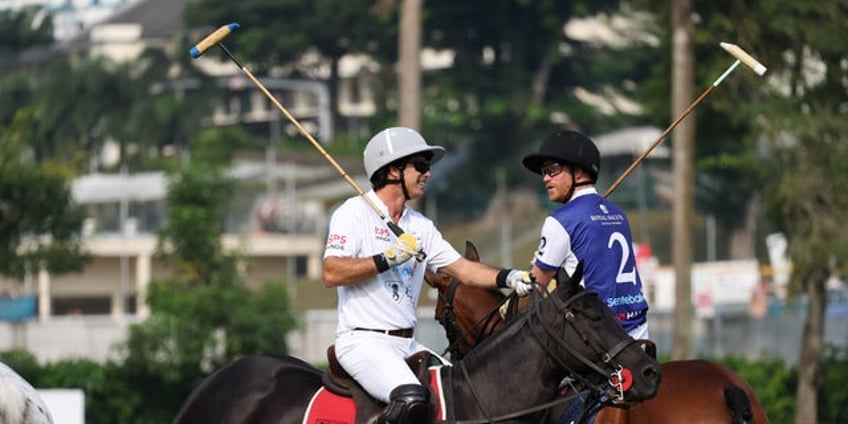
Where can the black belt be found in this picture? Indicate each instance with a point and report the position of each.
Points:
(403, 332)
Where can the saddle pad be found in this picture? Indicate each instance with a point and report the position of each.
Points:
(327, 407)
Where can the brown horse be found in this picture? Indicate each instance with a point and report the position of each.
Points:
(691, 391)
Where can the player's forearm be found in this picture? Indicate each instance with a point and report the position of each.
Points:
(340, 271)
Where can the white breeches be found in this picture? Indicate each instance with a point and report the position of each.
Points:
(378, 361)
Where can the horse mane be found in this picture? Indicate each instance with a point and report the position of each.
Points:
(512, 327)
(510, 330)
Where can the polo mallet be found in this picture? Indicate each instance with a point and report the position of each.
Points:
(215, 39)
(741, 57)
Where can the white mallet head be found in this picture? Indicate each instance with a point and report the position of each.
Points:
(744, 57)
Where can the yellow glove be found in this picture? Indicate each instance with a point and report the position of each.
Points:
(406, 246)
(520, 281)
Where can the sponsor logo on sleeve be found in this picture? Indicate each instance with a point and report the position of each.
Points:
(336, 241)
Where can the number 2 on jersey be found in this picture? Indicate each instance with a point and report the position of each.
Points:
(623, 276)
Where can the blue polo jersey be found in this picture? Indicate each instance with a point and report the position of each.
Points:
(592, 229)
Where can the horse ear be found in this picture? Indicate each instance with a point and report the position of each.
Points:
(577, 276)
(570, 281)
(471, 252)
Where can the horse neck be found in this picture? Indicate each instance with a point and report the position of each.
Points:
(474, 315)
(510, 370)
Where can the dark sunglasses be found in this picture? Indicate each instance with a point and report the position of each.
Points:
(421, 165)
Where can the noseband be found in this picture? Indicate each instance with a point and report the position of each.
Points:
(611, 390)
(614, 378)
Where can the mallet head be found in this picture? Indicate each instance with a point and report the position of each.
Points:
(213, 39)
(744, 57)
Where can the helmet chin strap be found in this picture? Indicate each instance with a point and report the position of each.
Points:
(403, 187)
(570, 193)
(402, 183)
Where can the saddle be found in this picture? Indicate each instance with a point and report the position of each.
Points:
(336, 380)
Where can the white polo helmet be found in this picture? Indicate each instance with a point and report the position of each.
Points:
(394, 143)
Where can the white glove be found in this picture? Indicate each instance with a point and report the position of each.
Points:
(520, 281)
(406, 246)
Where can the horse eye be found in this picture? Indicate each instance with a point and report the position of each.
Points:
(593, 314)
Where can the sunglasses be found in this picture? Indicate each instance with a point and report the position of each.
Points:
(421, 165)
(552, 170)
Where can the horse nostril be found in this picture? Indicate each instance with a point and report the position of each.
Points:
(652, 373)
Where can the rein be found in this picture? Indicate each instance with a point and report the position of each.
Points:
(513, 415)
(454, 330)
(613, 380)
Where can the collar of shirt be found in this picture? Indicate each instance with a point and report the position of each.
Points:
(584, 191)
(372, 195)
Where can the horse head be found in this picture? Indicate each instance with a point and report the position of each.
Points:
(581, 334)
(605, 353)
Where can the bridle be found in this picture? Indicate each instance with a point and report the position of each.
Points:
(612, 390)
(614, 379)
(484, 327)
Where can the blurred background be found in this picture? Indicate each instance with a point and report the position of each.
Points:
(160, 217)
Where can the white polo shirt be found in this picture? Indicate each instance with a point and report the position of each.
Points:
(389, 300)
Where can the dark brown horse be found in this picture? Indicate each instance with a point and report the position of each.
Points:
(505, 379)
(692, 391)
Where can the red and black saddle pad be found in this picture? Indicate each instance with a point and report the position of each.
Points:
(327, 407)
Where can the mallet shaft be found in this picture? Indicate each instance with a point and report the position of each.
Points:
(215, 39)
(656, 142)
(741, 56)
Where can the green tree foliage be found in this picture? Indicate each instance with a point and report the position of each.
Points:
(726, 155)
(170, 100)
(74, 103)
(24, 29)
(16, 92)
(513, 81)
(513, 67)
(77, 106)
(302, 38)
(190, 237)
(773, 382)
(39, 224)
(218, 145)
(783, 135)
(280, 33)
(805, 124)
(111, 396)
(832, 407)
(204, 315)
(24, 363)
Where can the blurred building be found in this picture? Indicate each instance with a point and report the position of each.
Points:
(70, 17)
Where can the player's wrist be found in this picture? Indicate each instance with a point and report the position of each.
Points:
(500, 280)
(381, 262)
